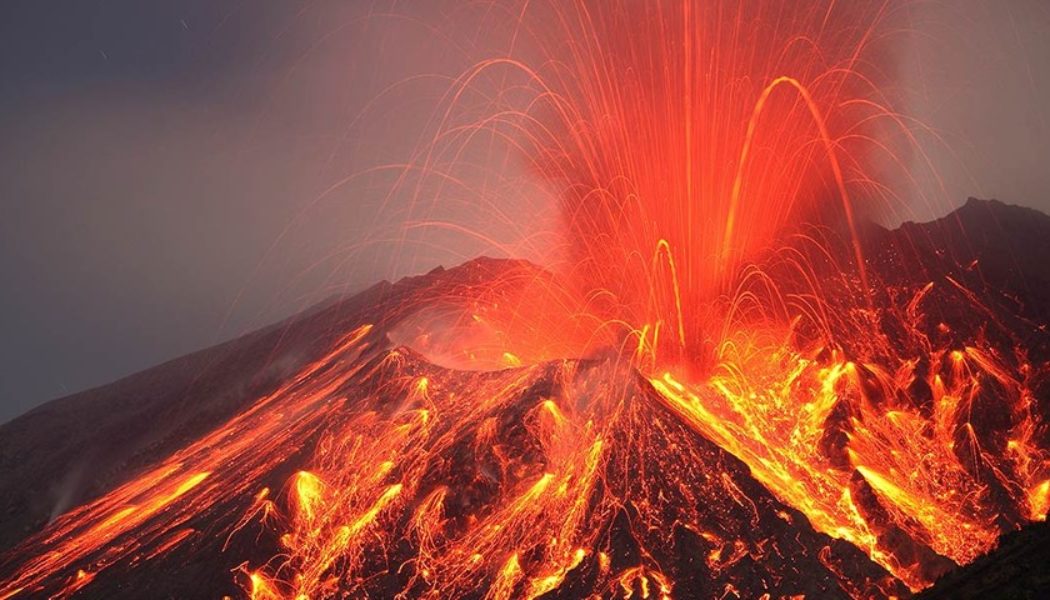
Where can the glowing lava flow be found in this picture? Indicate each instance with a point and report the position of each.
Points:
(844, 444)
(140, 518)
(422, 481)
(372, 471)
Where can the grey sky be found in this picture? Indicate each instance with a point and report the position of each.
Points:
(977, 73)
(162, 163)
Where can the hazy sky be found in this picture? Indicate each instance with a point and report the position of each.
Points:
(164, 165)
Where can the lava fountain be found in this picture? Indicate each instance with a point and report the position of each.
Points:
(683, 142)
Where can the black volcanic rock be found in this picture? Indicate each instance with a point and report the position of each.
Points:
(999, 251)
(1016, 570)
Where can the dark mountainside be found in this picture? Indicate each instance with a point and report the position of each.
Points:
(74, 449)
(1016, 570)
(1004, 251)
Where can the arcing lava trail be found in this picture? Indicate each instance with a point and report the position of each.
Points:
(727, 385)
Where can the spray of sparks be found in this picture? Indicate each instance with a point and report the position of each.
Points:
(692, 339)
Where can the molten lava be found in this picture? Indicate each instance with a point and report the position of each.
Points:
(716, 392)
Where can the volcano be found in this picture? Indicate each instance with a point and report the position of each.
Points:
(364, 449)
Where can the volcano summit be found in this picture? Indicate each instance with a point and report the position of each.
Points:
(358, 454)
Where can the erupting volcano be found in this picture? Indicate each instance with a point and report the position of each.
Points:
(724, 382)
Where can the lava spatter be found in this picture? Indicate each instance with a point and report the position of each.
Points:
(536, 481)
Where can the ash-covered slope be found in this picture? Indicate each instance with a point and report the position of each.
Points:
(1000, 253)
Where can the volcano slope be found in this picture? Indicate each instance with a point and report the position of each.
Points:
(372, 471)
(319, 458)
(1015, 570)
